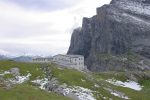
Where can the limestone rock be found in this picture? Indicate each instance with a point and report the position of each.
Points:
(137, 76)
(15, 71)
(119, 28)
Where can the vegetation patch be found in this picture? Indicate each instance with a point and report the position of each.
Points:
(27, 92)
(71, 77)
(6, 76)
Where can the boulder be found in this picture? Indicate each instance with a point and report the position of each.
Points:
(15, 71)
(52, 85)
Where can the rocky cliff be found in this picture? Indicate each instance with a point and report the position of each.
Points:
(116, 38)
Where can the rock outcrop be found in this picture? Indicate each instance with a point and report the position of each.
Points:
(120, 28)
(15, 71)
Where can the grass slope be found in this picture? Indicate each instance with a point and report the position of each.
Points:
(26, 91)
(72, 78)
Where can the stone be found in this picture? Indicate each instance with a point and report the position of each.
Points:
(52, 85)
(131, 77)
(15, 71)
(5, 84)
(60, 89)
(147, 75)
(137, 75)
(1, 81)
(72, 96)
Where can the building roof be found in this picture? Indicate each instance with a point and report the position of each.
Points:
(41, 58)
(72, 56)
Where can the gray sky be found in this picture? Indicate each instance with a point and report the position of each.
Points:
(41, 27)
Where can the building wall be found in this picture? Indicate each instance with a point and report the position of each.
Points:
(74, 61)
(42, 60)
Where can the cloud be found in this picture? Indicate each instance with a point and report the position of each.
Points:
(45, 4)
(44, 31)
(3, 52)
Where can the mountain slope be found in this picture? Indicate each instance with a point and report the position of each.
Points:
(2, 57)
(119, 29)
(23, 59)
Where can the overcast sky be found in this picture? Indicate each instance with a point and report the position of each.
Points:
(41, 27)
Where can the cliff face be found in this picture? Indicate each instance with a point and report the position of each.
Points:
(118, 29)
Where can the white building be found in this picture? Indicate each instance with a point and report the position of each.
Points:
(42, 60)
(70, 61)
(73, 61)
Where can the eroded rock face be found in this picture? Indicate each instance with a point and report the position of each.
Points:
(118, 28)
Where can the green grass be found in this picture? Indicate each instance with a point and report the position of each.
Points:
(8, 76)
(145, 83)
(25, 68)
(71, 77)
(109, 75)
(133, 94)
(27, 92)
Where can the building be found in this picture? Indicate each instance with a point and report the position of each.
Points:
(42, 60)
(73, 61)
(70, 61)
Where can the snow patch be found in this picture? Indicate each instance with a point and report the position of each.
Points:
(4, 73)
(129, 84)
(20, 79)
(135, 19)
(41, 82)
(134, 7)
(118, 95)
(80, 92)
(17, 79)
